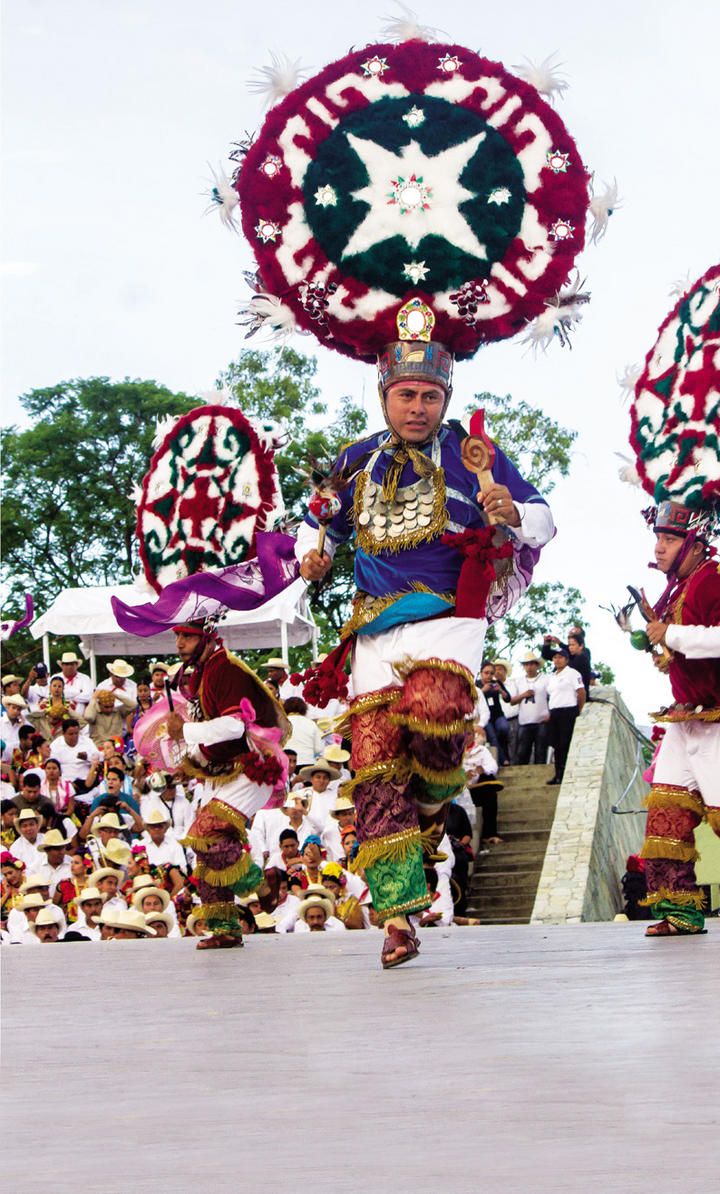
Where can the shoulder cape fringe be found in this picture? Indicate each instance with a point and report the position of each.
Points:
(681, 899)
(674, 715)
(393, 848)
(435, 528)
(362, 614)
(406, 667)
(669, 796)
(431, 729)
(669, 847)
(224, 812)
(395, 771)
(210, 912)
(419, 904)
(243, 876)
(455, 778)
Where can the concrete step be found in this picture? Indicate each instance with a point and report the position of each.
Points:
(507, 866)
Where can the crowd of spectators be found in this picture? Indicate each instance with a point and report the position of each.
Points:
(92, 837)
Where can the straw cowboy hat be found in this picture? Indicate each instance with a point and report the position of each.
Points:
(32, 900)
(27, 814)
(317, 889)
(315, 901)
(530, 657)
(34, 883)
(69, 657)
(53, 839)
(120, 668)
(43, 918)
(335, 754)
(146, 890)
(130, 918)
(104, 872)
(117, 853)
(321, 764)
(16, 700)
(275, 661)
(301, 794)
(10, 678)
(159, 666)
(192, 920)
(110, 917)
(252, 898)
(504, 663)
(157, 816)
(264, 922)
(88, 893)
(108, 821)
(342, 805)
(153, 917)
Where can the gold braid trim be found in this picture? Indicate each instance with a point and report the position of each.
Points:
(713, 819)
(224, 878)
(216, 912)
(435, 528)
(669, 847)
(455, 777)
(684, 899)
(394, 848)
(406, 667)
(431, 729)
(390, 770)
(668, 796)
(362, 613)
(419, 904)
(675, 715)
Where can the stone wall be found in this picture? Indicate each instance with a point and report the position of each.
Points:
(588, 845)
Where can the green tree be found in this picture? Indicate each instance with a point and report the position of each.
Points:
(547, 608)
(280, 385)
(539, 446)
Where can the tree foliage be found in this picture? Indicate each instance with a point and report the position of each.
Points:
(536, 444)
(548, 608)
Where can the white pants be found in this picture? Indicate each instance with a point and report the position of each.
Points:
(241, 793)
(689, 757)
(374, 655)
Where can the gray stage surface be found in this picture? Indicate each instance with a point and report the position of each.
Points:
(523, 1058)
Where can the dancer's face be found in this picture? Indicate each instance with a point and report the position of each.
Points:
(414, 409)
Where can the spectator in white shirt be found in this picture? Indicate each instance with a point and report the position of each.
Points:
(323, 779)
(36, 686)
(160, 842)
(531, 698)
(503, 672)
(275, 670)
(76, 756)
(78, 686)
(566, 698)
(89, 907)
(119, 680)
(10, 723)
(20, 918)
(315, 915)
(305, 738)
(27, 845)
(342, 814)
(57, 864)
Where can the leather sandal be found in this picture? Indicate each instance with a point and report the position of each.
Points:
(220, 941)
(671, 928)
(399, 938)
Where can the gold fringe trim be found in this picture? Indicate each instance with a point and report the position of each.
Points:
(668, 796)
(419, 904)
(227, 813)
(224, 878)
(363, 614)
(396, 847)
(390, 770)
(367, 702)
(713, 819)
(406, 667)
(435, 528)
(431, 729)
(202, 773)
(669, 847)
(456, 776)
(683, 899)
(216, 912)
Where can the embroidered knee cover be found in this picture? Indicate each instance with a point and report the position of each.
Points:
(670, 853)
(224, 866)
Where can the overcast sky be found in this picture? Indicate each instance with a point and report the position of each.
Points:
(113, 110)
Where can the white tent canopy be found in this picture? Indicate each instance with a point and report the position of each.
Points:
(284, 621)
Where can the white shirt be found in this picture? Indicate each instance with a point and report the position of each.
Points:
(532, 712)
(37, 693)
(55, 875)
(332, 925)
(10, 734)
(321, 803)
(169, 851)
(33, 858)
(305, 739)
(71, 765)
(181, 810)
(694, 642)
(563, 688)
(509, 710)
(286, 914)
(127, 688)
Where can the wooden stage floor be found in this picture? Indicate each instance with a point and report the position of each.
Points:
(570, 1059)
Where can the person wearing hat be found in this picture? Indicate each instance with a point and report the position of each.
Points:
(57, 865)
(341, 814)
(89, 909)
(13, 874)
(503, 675)
(305, 739)
(158, 675)
(119, 682)
(106, 713)
(347, 890)
(275, 669)
(36, 686)
(130, 925)
(338, 756)
(566, 699)
(323, 779)
(531, 698)
(163, 924)
(107, 880)
(293, 815)
(14, 716)
(148, 897)
(22, 916)
(108, 920)
(315, 913)
(44, 928)
(78, 685)
(163, 848)
(11, 685)
(29, 840)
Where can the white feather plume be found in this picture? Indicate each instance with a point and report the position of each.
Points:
(267, 313)
(223, 198)
(406, 27)
(135, 494)
(601, 208)
(142, 584)
(220, 397)
(278, 79)
(629, 379)
(544, 76)
(681, 286)
(628, 472)
(163, 425)
(557, 320)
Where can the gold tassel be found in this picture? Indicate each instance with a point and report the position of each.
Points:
(670, 796)
(225, 878)
(419, 904)
(394, 848)
(668, 847)
(216, 912)
(683, 899)
(395, 771)
(431, 729)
